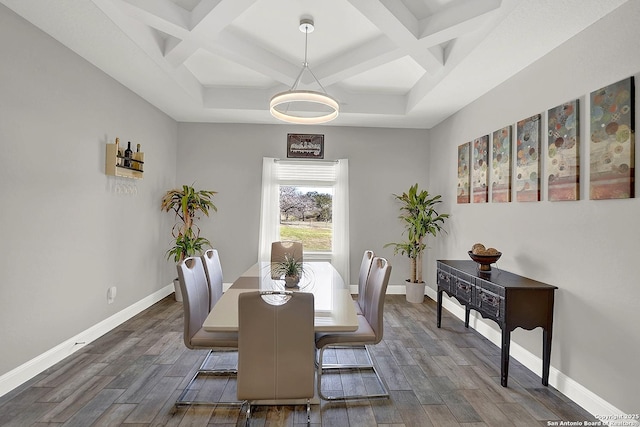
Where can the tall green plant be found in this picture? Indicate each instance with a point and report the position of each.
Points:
(420, 218)
(188, 204)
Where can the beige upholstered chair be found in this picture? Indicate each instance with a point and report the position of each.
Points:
(285, 248)
(276, 352)
(365, 266)
(213, 270)
(369, 332)
(195, 294)
(279, 250)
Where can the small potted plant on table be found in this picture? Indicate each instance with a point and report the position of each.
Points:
(290, 268)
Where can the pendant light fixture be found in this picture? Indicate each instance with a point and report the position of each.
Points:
(304, 106)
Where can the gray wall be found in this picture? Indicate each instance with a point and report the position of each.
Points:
(586, 248)
(66, 236)
(228, 158)
(64, 230)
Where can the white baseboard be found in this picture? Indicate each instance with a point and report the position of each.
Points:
(575, 391)
(33, 367)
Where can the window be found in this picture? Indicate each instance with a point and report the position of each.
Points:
(311, 186)
(306, 215)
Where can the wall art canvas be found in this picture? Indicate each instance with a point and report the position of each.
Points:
(480, 171)
(501, 165)
(612, 141)
(563, 171)
(463, 173)
(527, 179)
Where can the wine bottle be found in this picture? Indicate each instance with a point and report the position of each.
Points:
(118, 153)
(127, 155)
(138, 157)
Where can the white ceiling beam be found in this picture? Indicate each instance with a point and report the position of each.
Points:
(402, 27)
(162, 15)
(395, 21)
(455, 21)
(212, 16)
(207, 20)
(146, 38)
(363, 58)
(235, 47)
(236, 98)
(258, 100)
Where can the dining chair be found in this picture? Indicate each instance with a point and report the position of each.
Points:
(365, 267)
(213, 271)
(276, 352)
(195, 296)
(280, 250)
(369, 332)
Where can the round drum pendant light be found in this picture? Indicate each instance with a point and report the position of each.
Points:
(304, 106)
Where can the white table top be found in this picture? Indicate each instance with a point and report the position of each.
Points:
(334, 308)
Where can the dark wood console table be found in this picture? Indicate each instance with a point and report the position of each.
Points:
(508, 299)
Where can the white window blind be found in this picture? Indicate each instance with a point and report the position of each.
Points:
(309, 172)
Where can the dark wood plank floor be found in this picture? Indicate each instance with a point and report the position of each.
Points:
(437, 377)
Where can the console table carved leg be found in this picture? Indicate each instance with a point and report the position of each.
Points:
(439, 308)
(504, 362)
(546, 355)
(467, 311)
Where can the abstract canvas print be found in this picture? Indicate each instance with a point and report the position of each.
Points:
(563, 171)
(527, 179)
(463, 173)
(501, 165)
(612, 141)
(480, 171)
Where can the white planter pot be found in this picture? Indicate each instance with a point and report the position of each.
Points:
(176, 286)
(415, 292)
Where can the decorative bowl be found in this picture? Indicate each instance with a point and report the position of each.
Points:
(485, 261)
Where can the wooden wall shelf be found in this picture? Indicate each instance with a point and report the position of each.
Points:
(114, 164)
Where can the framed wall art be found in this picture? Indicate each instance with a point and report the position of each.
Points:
(480, 172)
(612, 141)
(463, 173)
(563, 171)
(527, 179)
(501, 165)
(305, 146)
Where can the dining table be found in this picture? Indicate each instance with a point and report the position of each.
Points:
(334, 310)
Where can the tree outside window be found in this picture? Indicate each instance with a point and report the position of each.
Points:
(306, 215)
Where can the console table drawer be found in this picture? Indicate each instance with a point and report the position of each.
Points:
(463, 288)
(489, 303)
(445, 279)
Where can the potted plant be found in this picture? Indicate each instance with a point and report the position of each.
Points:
(188, 204)
(420, 218)
(290, 268)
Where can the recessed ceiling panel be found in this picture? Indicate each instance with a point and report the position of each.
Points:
(338, 28)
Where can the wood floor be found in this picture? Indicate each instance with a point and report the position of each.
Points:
(437, 377)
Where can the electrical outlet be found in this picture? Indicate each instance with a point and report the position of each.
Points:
(111, 294)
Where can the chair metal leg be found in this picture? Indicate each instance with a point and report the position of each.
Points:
(204, 371)
(248, 419)
(333, 366)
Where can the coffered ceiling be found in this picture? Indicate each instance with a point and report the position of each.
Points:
(391, 63)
